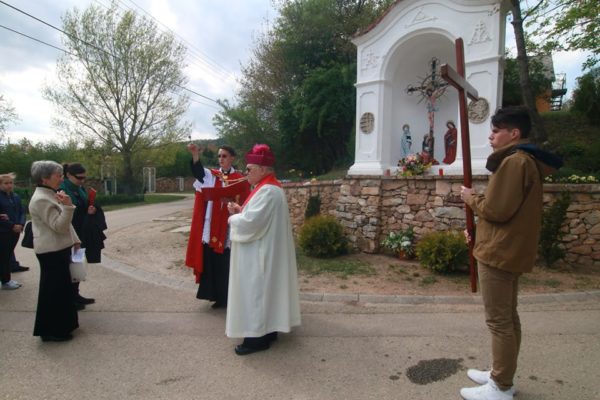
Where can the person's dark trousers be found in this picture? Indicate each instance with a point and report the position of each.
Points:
(214, 280)
(56, 315)
(8, 242)
(79, 300)
(14, 264)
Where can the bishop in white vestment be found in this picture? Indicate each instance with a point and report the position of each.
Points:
(263, 282)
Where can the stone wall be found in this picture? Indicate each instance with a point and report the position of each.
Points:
(370, 207)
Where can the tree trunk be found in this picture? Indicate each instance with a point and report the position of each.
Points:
(128, 178)
(538, 133)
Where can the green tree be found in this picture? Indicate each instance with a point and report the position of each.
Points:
(297, 92)
(566, 25)
(586, 98)
(7, 115)
(512, 93)
(120, 83)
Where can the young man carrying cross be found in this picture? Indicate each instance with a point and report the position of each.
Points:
(510, 217)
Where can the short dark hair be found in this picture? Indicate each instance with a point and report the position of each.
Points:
(513, 117)
(73, 169)
(228, 149)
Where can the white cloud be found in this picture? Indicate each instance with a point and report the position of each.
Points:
(218, 36)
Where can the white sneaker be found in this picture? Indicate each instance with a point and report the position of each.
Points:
(11, 285)
(482, 377)
(489, 391)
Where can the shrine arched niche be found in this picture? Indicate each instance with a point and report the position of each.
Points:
(413, 70)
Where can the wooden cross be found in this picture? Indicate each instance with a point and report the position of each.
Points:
(457, 80)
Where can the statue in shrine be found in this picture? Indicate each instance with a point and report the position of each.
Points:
(427, 147)
(406, 141)
(450, 141)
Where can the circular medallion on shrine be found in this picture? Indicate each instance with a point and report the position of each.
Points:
(479, 110)
(367, 122)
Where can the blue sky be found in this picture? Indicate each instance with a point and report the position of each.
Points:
(219, 35)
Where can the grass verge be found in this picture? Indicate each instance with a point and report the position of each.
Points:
(342, 267)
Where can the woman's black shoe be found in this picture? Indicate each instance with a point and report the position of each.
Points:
(218, 305)
(79, 306)
(57, 338)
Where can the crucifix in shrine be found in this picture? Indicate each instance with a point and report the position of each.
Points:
(458, 81)
(432, 87)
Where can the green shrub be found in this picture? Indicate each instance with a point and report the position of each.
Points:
(313, 207)
(550, 246)
(322, 236)
(105, 200)
(443, 251)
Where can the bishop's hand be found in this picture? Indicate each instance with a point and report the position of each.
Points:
(234, 208)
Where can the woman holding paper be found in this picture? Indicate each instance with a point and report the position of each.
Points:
(54, 238)
(88, 220)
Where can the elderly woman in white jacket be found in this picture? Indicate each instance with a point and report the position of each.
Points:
(53, 238)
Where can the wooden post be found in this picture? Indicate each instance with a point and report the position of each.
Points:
(457, 80)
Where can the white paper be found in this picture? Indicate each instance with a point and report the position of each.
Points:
(78, 255)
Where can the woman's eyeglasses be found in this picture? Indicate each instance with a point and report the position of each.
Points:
(79, 177)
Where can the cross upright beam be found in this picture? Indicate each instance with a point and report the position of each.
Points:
(464, 88)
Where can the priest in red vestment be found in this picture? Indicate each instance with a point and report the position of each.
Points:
(209, 245)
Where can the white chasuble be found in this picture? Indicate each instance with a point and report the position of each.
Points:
(263, 279)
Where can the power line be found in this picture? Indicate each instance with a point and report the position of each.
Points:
(214, 69)
(203, 56)
(74, 55)
(37, 40)
(75, 38)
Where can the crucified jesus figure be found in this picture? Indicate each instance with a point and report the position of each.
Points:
(432, 87)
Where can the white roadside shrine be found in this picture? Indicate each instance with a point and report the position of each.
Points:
(399, 90)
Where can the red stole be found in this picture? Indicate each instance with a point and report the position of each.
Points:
(218, 224)
(267, 180)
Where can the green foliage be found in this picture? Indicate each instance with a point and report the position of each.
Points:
(313, 206)
(443, 251)
(104, 200)
(297, 91)
(512, 90)
(566, 25)
(550, 246)
(586, 98)
(403, 241)
(576, 141)
(322, 236)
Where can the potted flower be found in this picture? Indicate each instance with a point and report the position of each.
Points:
(401, 243)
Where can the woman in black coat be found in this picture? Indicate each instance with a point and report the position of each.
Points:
(88, 221)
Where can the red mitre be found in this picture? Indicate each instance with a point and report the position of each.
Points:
(260, 154)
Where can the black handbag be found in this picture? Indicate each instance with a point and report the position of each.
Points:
(27, 236)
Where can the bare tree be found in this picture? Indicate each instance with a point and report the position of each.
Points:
(120, 83)
(7, 115)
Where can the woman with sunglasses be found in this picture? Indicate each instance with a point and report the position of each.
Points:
(88, 221)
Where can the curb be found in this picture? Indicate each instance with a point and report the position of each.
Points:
(188, 286)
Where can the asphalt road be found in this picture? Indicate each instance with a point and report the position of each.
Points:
(143, 340)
